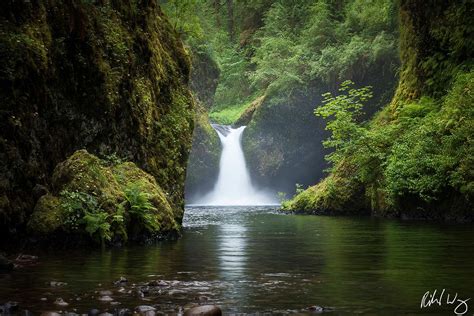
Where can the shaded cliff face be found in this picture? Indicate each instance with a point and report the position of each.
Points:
(283, 140)
(108, 76)
(203, 165)
(423, 167)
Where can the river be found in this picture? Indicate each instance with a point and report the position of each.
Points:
(253, 259)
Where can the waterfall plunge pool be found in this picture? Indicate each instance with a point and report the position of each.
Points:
(253, 259)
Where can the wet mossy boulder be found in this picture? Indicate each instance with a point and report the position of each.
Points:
(108, 76)
(336, 194)
(102, 200)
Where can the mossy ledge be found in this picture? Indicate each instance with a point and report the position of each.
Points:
(97, 200)
(424, 166)
(108, 76)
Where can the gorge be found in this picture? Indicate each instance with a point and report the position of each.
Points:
(238, 157)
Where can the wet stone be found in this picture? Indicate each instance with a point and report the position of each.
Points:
(49, 313)
(123, 312)
(60, 302)
(121, 281)
(56, 284)
(93, 312)
(205, 310)
(316, 309)
(144, 308)
(105, 298)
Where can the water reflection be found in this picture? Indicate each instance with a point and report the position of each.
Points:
(232, 251)
(255, 260)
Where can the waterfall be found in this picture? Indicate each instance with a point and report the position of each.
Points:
(233, 186)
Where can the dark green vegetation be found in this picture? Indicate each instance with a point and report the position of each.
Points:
(107, 76)
(276, 59)
(414, 159)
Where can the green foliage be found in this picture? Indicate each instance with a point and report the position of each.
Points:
(228, 114)
(304, 41)
(299, 188)
(282, 197)
(96, 224)
(140, 207)
(435, 153)
(425, 153)
(343, 113)
(182, 15)
(83, 209)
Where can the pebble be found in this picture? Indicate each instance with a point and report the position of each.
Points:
(105, 292)
(56, 283)
(205, 310)
(144, 308)
(50, 314)
(123, 312)
(121, 281)
(316, 309)
(60, 302)
(105, 298)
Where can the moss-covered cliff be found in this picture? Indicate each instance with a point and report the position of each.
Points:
(283, 140)
(416, 158)
(203, 165)
(108, 76)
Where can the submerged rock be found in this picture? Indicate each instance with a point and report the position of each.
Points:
(93, 312)
(5, 264)
(205, 310)
(9, 307)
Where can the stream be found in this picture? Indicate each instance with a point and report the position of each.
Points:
(253, 259)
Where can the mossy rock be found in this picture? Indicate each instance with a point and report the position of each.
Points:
(47, 216)
(336, 194)
(109, 76)
(84, 184)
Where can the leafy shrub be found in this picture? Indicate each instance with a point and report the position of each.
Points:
(140, 206)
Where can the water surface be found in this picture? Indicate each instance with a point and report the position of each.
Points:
(252, 259)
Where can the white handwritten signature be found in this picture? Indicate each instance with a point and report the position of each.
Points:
(434, 298)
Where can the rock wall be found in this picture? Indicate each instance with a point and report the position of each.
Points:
(107, 76)
(203, 165)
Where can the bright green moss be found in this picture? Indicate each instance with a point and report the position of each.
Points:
(100, 197)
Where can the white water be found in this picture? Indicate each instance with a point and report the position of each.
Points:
(233, 186)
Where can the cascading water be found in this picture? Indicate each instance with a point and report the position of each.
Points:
(233, 186)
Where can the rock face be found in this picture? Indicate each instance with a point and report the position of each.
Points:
(203, 166)
(107, 76)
